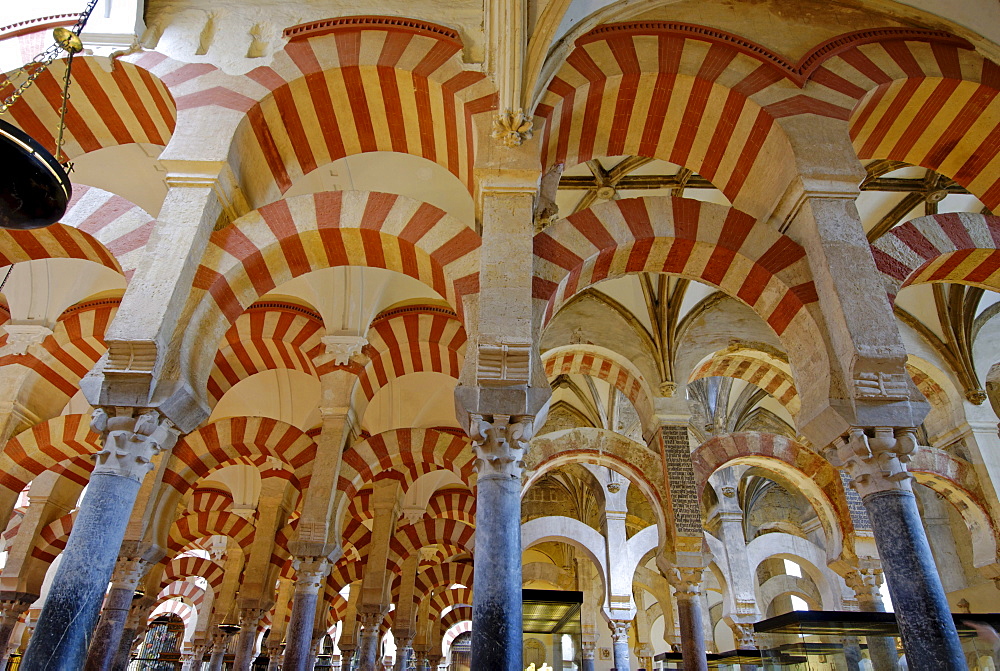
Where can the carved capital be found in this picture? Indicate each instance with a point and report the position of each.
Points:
(685, 580)
(499, 442)
(12, 609)
(512, 128)
(875, 459)
(128, 572)
(131, 438)
(310, 572)
(370, 620)
(587, 649)
(619, 630)
(746, 637)
(22, 337)
(249, 617)
(343, 347)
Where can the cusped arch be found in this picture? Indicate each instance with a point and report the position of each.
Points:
(812, 474)
(960, 248)
(606, 365)
(289, 238)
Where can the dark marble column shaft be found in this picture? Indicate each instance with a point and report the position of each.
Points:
(929, 635)
(496, 601)
(249, 618)
(368, 648)
(108, 635)
(690, 618)
(124, 654)
(298, 637)
(66, 625)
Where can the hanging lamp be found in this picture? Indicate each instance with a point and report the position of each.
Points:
(34, 185)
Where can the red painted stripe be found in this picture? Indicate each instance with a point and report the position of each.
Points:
(136, 105)
(319, 91)
(925, 116)
(900, 52)
(865, 66)
(911, 236)
(748, 157)
(94, 91)
(984, 270)
(721, 140)
(636, 217)
(289, 114)
(592, 228)
(269, 148)
(951, 262)
(902, 99)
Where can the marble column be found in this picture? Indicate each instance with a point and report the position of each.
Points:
(587, 655)
(866, 583)
(368, 649)
(619, 644)
(875, 460)
(117, 604)
(220, 641)
(194, 659)
(686, 582)
(317, 643)
(499, 442)
(309, 575)
(346, 658)
(273, 655)
(70, 613)
(249, 619)
(10, 612)
(404, 652)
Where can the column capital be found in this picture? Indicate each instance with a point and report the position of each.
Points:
(875, 458)
(370, 619)
(131, 437)
(686, 580)
(619, 629)
(746, 637)
(128, 572)
(499, 442)
(310, 572)
(587, 649)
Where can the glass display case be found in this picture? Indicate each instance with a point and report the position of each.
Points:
(552, 629)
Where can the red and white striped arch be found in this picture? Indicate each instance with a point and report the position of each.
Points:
(453, 504)
(603, 364)
(961, 248)
(187, 614)
(353, 85)
(122, 227)
(360, 509)
(409, 538)
(345, 572)
(753, 369)
(412, 340)
(184, 567)
(205, 500)
(444, 575)
(53, 538)
(717, 245)
(110, 106)
(77, 469)
(239, 440)
(193, 526)
(266, 337)
(458, 596)
(44, 445)
(58, 241)
(404, 455)
(62, 359)
(184, 589)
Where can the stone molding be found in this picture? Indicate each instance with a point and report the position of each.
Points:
(876, 462)
(131, 438)
(500, 442)
(22, 337)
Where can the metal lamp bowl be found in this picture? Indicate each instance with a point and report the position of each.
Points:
(34, 188)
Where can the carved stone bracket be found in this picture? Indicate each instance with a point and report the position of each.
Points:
(131, 439)
(619, 630)
(875, 459)
(511, 128)
(685, 580)
(499, 442)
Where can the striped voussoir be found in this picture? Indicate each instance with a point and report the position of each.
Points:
(184, 589)
(359, 87)
(446, 598)
(63, 358)
(58, 241)
(53, 537)
(928, 386)
(757, 371)
(239, 440)
(44, 445)
(961, 248)
(122, 227)
(205, 500)
(605, 365)
(360, 509)
(459, 615)
(717, 245)
(933, 106)
(13, 527)
(113, 106)
(266, 337)
(193, 526)
(444, 575)
(409, 538)
(77, 469)
(806, 466)
(180, 568)
(412, 341)
(453, 504)
(405, 455)
(187, 614)
(345, 572)
(949, 472)
(288, 238)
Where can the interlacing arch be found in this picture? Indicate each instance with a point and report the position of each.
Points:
(268, 336)
(603, 364)
(63, 358)
(956, 480)
(111, 106)
(960, 248)
(453, 503)
(753, 367)
(239, 440)
(359, 84)
(412, 340)
(180, 568)
(198, 525)
(292, 237)
(53, 537)
(812, 474)
(44, 445)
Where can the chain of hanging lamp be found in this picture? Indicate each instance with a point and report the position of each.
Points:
(67, 40)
